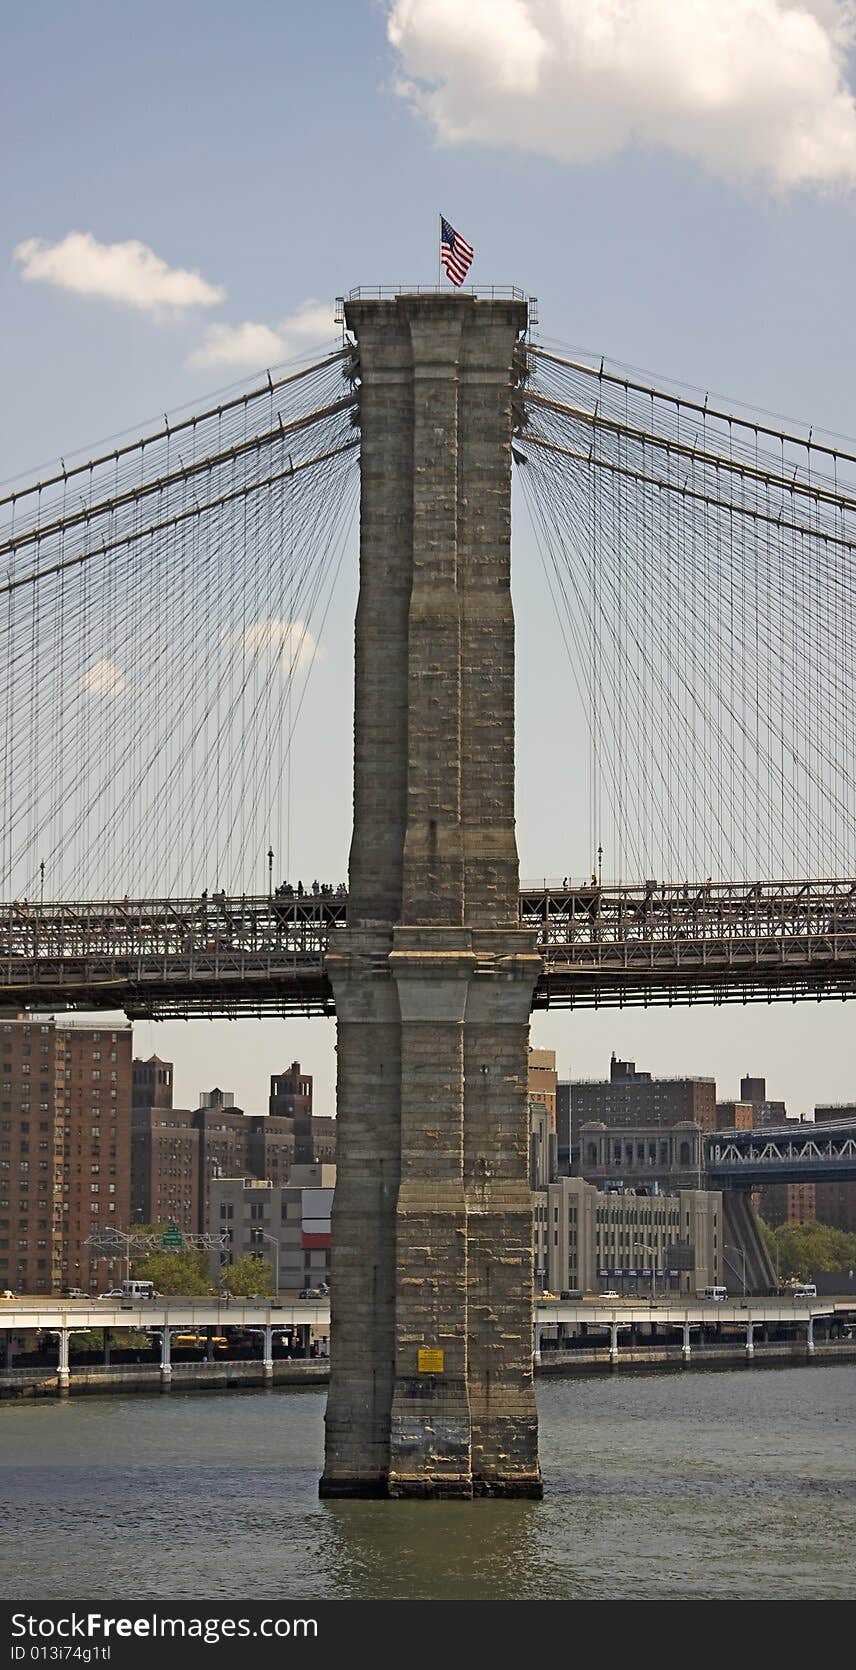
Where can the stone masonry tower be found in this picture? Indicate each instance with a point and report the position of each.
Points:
(431, 1353)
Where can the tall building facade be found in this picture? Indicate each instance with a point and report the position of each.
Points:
(178, 1153)
(165, 1168)
(642, 1155)
(629, 1098)
(778, 1203)
(164, 1151)
(764, 1111)
(628, 1240)
(543, 1079)
(65, 1149)
(735, 1116)
(835, 1203)
(288, 1225)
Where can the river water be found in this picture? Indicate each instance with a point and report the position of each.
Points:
(665, 1485)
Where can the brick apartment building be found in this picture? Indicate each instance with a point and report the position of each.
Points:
(778, 1203)
(179, 1153)
(542, 1080)
(836, 1202)
(65, 1149)
(627, 1099)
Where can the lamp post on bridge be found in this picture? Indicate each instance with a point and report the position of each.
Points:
(644, 1247)
(775, 1233)
(726, 1248)
(263, 1235)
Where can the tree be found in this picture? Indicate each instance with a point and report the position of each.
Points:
(249, 1274)
(803, 1250)
(179, 1270)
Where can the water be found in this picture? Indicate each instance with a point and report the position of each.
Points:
(727, 1483)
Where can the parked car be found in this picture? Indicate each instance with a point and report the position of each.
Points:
(74, 1293)
(610, 1293)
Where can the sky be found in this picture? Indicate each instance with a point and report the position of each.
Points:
(186, 189)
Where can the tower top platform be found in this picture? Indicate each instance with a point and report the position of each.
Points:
(479, 292)
(492, 292)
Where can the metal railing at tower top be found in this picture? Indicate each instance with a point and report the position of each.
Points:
(491, 292)
(484, 292)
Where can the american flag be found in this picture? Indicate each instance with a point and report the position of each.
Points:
(455, 253)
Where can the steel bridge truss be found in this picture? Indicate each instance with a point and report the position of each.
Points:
(812, 1153)
(654, 943)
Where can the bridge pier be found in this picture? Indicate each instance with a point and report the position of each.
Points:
(166, 1360)
(431, 1389)
(62, 1372)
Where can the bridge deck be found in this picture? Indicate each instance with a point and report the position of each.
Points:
(601, 946)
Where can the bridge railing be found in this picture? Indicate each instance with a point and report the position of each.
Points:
(647, 943)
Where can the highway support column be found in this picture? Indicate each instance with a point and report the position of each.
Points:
(166, 1360)
(62, 1372)
(431, 1390)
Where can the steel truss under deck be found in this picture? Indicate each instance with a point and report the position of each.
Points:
(602, 946)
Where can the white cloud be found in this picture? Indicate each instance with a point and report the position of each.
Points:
(128, 272)
(254, 345)
(286, 641)
(743, 87)
(103, 678)
(245, 344)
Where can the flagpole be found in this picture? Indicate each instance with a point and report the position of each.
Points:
(439, 249)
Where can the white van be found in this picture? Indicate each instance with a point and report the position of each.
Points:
(716, 1293)
(804, 1290)
(138, 1290)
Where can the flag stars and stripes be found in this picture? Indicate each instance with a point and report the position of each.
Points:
(455, 253)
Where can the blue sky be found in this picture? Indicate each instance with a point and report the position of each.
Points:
(268, 149)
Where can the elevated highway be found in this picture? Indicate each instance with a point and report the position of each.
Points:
(51, 1315)
(588, 1330)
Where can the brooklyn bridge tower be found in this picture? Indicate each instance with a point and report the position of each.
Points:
(431, 1391)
